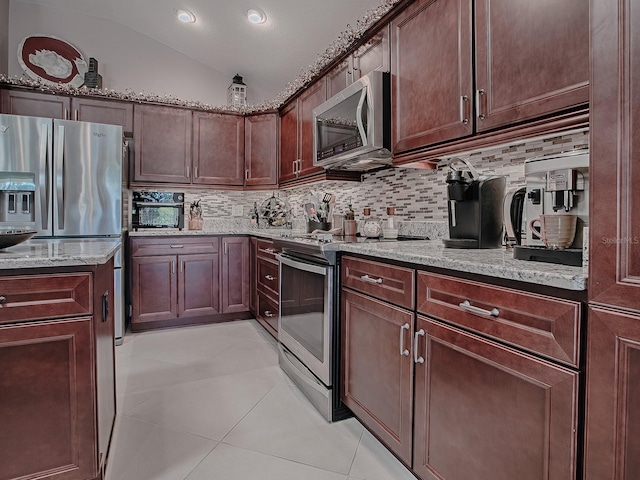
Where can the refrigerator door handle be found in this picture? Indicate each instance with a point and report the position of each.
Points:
(59, 165)
(44, 189)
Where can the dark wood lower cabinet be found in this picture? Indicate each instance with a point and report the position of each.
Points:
(377, 379)
(484, 411)
(613, 396)
(204, 280)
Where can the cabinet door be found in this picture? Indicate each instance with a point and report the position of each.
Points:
(532, 59)
(487, 412)
(261, 149)
(162, 144)
(218, 149)
(154, 284)
(377, 378)
(310, 99)
(613, 396)
(614, 266)
(48, 400)
(102, 111)
(198, 287)
(34, 104)
(339, 77)
(373, 55)
(235, 274)
(431, 73)
(288, 143)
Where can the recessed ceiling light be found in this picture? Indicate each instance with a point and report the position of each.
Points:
(185, 16)
(255, 15)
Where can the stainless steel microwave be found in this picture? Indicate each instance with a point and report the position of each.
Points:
(353, 128)
(157, 210)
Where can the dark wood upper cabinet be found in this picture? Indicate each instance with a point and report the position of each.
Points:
(310, 99)
(614, 268)
(35, 104)
(431, 73)
(218, 149)
(532, 59)
(288, 143)
(373, 55)
(339, 77)
(162, 144)
(103, 111)
(487, 412)
(261, 150)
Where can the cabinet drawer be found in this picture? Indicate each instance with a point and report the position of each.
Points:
(268, 312)
(141, 247)
(268, 277)
(35, 297)
(545, 325)
(266, 249)
(380, 280)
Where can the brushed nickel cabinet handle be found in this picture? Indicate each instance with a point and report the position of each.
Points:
(176, 246)
(466, 305)
(270, 251)
(188, 171)
(270, 277)
(3, 300)
(403, 351)
(464, 102)
(195, 172)
(246, 174)
(367, 278)
(416, 359)
(481, 101)
(268, 314)
(181, 266)
(173, 268)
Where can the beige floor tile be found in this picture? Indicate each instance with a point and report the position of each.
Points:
(143, 451)
(226, 462)
(244, 355)
(286, 425)
(209, 407)
(374, 462)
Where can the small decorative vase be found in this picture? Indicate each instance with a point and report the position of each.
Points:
(195, 223)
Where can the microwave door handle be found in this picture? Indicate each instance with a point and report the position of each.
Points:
(363, 134)
(59, 166)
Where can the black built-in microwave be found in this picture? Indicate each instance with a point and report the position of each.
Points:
(157, 210)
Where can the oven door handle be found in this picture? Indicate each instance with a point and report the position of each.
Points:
(307, 267)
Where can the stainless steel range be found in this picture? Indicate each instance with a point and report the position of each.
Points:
(307, 325)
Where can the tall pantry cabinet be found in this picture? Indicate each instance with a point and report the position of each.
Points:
(612, 438)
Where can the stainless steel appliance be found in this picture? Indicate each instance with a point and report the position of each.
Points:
(475, 208)
(157, 210)
(77, 174)
(307, 326)
(554, 184)
(353, 128)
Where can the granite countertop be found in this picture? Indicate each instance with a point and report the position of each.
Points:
(63, 252)
(497, 262)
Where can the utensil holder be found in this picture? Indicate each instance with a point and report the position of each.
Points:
(195, 223)
(311, 226)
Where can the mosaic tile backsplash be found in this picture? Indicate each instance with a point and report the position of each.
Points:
(418, 195)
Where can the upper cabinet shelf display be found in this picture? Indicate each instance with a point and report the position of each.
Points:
(531, 62)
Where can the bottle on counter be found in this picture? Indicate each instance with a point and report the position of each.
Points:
(391, 225)
(255, 217)
(371, 227)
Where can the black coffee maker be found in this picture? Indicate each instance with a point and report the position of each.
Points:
(475, 208)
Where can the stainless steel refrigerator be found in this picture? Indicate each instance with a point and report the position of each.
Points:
(77, 172)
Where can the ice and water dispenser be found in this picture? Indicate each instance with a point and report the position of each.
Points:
(17, 199)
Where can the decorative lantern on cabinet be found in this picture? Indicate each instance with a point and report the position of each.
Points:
(237, 92)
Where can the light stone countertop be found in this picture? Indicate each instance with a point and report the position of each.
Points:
(497, 263)
(63, 252)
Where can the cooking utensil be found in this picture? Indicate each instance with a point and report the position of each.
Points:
(310, 210)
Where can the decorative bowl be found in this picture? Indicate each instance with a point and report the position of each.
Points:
(9, 238)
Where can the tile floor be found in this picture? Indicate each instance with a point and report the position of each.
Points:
(210, 402)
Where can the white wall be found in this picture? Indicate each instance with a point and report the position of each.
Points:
(4, 36)
(127, 60)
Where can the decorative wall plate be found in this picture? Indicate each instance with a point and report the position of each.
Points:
(51, 60)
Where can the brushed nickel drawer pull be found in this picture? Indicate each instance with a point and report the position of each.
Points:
(270, 277)
(416, 358)
(270, 251)
(367, 278)
(3, 300)
(268, 314)
(176, 246)
(466, 305)
(403, 351)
